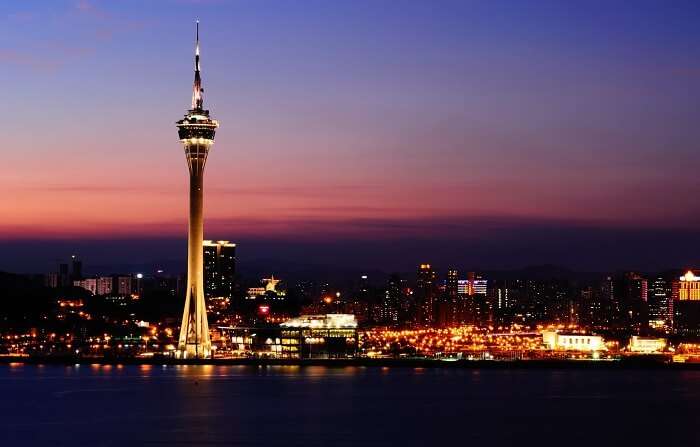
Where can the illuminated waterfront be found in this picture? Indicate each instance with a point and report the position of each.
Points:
(295, 406)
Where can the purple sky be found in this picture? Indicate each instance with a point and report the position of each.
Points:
(504, 131)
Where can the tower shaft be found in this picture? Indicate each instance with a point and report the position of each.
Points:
(194, 339)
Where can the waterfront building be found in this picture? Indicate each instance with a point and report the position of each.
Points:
(305, 337)
(261, 342)
(573, 342)
(319, 336)
(689, 287)
(646, 345)
(686, 307)
(196, 132)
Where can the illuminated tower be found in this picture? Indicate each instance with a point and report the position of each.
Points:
(196, 131)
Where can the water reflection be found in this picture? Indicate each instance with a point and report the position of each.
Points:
(307, 406)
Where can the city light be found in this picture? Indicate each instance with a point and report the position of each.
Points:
(423, 223)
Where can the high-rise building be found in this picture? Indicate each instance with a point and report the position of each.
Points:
(546, 301)
(479, 286)
(125, 286)
(104, 285)
(634, 296)
(196, 132)
(471, 276)
(502, 301)
(628, 306)
(686, 307)
(89, 284)
(463, 286)
(452, 284)
(592, 310)
(426, 291)
(390, 309)
(139, 284)
(76, 269)
(53, 280)
(449, 311)
(64, 276)
(610, 317)
(219, 269)
(164, 283)
(689, 287)
(675, 290)
(660, 304)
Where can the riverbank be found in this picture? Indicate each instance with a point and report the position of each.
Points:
(652, 362)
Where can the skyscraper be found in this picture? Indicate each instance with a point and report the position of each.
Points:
(449, 311)
(631, 291)
(660, 304)
(219, 269)
(426, 290)
(64, 277)
(196, 132)
(452, 284)
(76, 269)
(391, 303)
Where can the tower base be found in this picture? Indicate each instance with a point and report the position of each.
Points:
(192, 351)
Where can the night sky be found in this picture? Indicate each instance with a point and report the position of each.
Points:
(479, 134)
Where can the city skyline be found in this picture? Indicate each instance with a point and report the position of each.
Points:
(425, 144)
(456, 217)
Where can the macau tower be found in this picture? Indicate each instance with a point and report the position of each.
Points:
(196, 131)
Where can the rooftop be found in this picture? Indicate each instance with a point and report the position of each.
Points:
(328, 321)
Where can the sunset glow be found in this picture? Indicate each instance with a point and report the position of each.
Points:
(443, 125)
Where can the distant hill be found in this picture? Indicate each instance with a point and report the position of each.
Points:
(13, 281)
(23, 298)
(543, 273)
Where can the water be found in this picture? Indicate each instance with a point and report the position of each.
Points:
(354, 406)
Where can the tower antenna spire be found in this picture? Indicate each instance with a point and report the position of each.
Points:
(197, 90)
